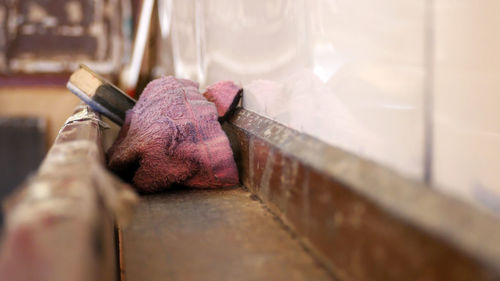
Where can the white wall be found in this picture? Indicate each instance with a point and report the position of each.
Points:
(387, 79)
(467, 99)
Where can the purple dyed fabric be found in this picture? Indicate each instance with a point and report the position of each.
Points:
(172, 136)
(225, 95)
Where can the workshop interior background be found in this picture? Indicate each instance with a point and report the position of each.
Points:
(412, 85)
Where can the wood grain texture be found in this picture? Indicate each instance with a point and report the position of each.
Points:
(59, 223)
(219, 234)
(365, 221)
(86, 80)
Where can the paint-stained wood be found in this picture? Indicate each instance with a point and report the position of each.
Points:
(211, 234)
(53, 36)
(364, 221)
(59, 224)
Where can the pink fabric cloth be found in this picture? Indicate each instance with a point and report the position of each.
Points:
(172, 136)
(225, 95)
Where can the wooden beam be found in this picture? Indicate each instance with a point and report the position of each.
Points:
(364, 221)
(60, 223)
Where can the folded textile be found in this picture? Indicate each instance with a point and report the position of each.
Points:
(172, 135)
(225, 95)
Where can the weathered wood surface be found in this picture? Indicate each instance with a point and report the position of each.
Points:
(59, 224)
(54, 36)
(211, 234)
(363, 220)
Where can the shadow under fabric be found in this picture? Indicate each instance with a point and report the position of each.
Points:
(172, 135)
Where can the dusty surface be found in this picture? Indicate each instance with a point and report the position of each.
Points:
(365, 221)
(220, 234)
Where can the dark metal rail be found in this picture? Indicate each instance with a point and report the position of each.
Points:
(363, 220)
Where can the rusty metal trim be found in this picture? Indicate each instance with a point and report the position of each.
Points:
(60, 223)
(365, 221)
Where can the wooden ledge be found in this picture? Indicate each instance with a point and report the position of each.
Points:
(363, 220)
(60, 223)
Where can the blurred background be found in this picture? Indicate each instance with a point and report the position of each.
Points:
(413, 85)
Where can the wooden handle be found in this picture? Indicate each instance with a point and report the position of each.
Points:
(100, 94)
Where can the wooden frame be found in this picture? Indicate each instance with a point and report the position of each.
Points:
(363, 221)
(60, 223)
